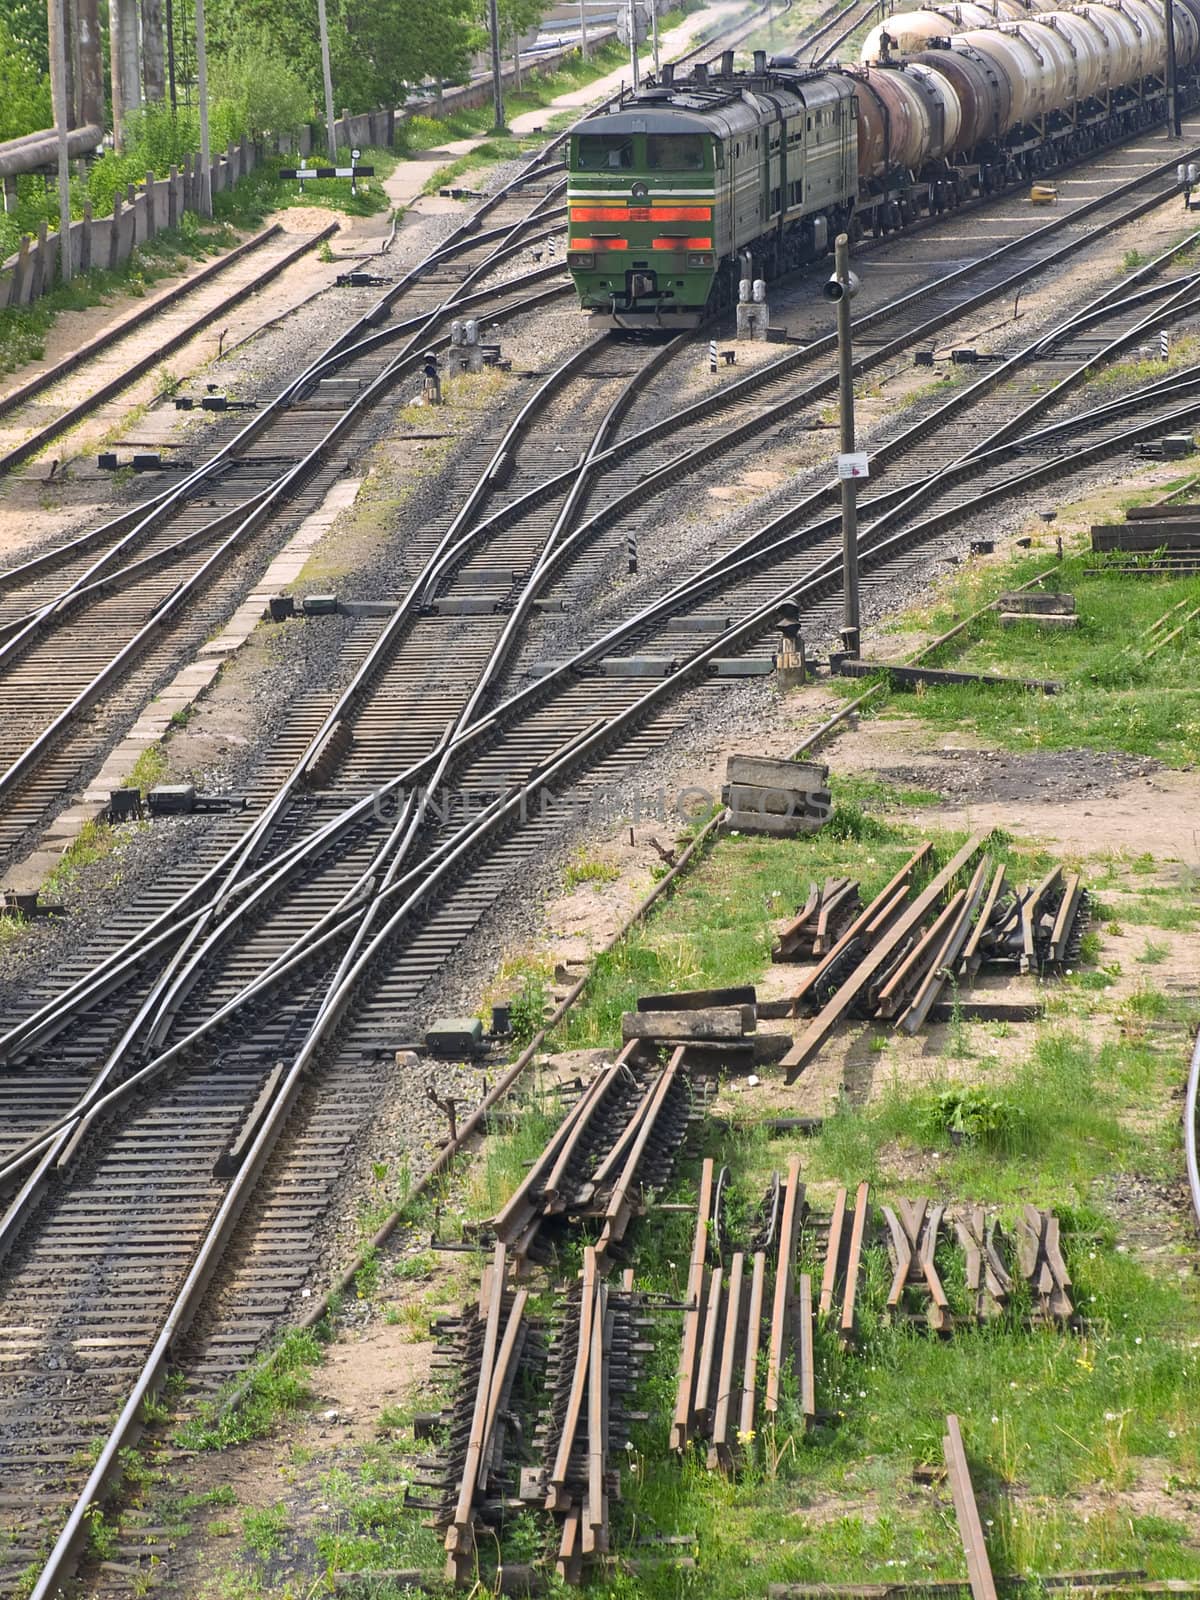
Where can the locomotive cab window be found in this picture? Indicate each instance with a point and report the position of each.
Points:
(600, 150)
(675, 152)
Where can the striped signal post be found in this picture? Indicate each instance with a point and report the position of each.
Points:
(712, 355)
(1164, 344)
(631, 552)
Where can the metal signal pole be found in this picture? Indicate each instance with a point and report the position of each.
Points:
(654, 28)
(841, 288)
(497, 74)
(1174, 126)
(634, 65)
(583, 45)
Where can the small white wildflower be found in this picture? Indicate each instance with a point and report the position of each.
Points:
(989, 1522)
(1170, 1433)
(1138, 1340)
(995, 1418)
(1110, 1416)
(862, 1394)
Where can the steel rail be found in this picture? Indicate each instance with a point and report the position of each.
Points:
(647, 615)
(265, 504)
(184, 1306)
(20, 768)
(613, 450)
(48, 559)
(75, 414)
(171, 987)
(767, 372)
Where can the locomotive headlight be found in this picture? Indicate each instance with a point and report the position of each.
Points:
(700, 258)
(581, 258)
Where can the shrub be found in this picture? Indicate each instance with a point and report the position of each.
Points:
(257, 88)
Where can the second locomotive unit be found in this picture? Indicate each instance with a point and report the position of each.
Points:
(673, 193)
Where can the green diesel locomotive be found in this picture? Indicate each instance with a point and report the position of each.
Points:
(670, 192)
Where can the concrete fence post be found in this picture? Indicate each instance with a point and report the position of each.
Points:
(114, 235)
(23, 275)
(40, 281)
(84, 253)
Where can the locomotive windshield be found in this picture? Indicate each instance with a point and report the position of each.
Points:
(675, 152)
(599, 150)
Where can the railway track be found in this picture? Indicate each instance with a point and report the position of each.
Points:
(123, 603)
(47, 405)
(584, 712)
(137, 1155)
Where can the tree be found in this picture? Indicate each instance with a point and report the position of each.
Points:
(23, 23)
(382, 48)
(517, 17)
(24, 89)
(263, 91)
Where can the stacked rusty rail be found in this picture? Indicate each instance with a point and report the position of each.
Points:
(725, 1340)
(620, 1137)
(819, 923)
(504, 1456)
(897, 955)
(484, 1350)
(594, 1369)
(993, 1263)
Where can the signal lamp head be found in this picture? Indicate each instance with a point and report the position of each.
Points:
(836, 290)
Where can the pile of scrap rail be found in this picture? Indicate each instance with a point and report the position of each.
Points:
(750, 1309)
(593, 1371)
(473, 1478)
(625, 1132)
(622, 1135)
(539, 1415)
(892, 959)
(993, 1263)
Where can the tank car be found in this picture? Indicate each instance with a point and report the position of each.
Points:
(694, 183)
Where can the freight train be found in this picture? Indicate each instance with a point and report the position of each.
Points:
(694, 183)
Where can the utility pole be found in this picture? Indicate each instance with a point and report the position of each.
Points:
(654, 28)
(327, 76)
(634, 65)
(202, 96)
(497, 74)
(841, 289)
(62, 126)
(170, 16)
(1174, 126)
(583, 45)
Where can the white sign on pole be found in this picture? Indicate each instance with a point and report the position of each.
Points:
(641, 23)
(853, 465)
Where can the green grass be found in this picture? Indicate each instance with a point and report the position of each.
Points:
(94, 842)
(717, 929)
(418, 134)
(1112, 699)
(264, 1529)
(278, 1388)
(149, 769)
(586, 869)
